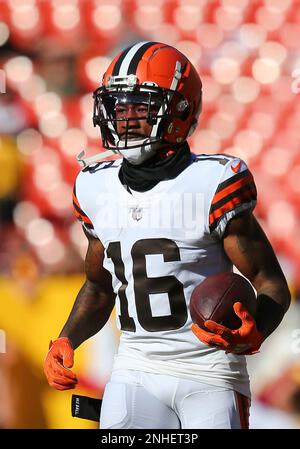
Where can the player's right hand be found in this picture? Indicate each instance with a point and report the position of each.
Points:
(59, 360)
(246, 340)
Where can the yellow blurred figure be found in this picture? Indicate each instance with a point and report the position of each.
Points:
(10, 163)
(29, 322)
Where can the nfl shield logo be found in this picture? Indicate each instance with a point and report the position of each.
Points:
(137, 213)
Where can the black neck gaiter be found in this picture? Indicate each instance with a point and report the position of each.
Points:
(146, 175)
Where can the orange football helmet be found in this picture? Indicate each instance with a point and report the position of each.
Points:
(159, 76)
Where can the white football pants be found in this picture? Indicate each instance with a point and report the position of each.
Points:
(139, 400)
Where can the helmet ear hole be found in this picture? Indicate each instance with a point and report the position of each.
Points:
(185, 113)
(183, 109)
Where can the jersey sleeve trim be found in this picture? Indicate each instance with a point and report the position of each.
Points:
(232, 185)
(80, 214)
(233, 195)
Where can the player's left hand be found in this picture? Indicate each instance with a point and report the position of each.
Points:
(244, 341)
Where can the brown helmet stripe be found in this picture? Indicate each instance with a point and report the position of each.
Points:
(117, 66)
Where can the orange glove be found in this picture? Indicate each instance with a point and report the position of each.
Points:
(59, 359)
(244, 341)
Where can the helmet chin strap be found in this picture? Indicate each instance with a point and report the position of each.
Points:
(141, 150)
(86, 161)
(135, 156)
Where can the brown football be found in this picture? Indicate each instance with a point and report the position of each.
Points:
(213, 299)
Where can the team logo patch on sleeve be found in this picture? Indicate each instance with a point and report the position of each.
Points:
(237, 167)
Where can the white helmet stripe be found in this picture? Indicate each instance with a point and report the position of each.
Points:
(128, 58)
(177, 76)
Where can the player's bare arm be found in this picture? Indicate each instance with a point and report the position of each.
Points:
(247, 246)
(95, 300)
(89, 314)
(249, 250)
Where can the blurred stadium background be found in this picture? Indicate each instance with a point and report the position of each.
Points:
(52, 56)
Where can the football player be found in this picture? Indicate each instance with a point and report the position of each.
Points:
(159, 220)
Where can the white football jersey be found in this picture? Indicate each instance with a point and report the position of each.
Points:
(159, 245)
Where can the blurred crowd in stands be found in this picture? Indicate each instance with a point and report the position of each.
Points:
(52, 56)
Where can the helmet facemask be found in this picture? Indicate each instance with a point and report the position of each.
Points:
(158, 101)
